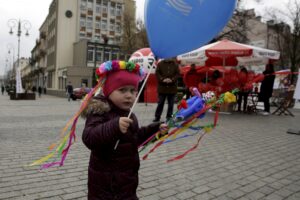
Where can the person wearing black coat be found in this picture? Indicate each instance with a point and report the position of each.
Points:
(69, 90)
(167, 74)
(266, 88)
(113, 139)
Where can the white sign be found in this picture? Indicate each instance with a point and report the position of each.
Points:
(297, 90)
(19, 88)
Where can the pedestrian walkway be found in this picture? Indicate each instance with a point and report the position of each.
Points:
(246, 157)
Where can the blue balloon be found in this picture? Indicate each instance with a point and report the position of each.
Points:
(175, 27)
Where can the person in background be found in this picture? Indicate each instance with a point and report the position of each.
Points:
(167, 73)
(266, 88)
(33, 89)
(2, 89)
(244, 91)
(69, 90)
(40, 91)
(191, 80)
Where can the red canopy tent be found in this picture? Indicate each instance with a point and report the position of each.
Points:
(228, 53)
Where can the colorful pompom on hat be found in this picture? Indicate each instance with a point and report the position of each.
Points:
(119, 73)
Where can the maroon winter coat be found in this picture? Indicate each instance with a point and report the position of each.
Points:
(112, 174)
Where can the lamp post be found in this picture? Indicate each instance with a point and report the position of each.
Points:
(12, 23)
(19, 24)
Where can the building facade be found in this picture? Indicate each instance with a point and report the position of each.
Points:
(76, 36)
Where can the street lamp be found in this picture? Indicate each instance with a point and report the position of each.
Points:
(25, 25)
(12, 23)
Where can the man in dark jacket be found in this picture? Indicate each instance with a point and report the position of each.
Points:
(266, 88)
(69, 90)
(167, 73)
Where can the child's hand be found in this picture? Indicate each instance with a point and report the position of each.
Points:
(163, 128)
(124, 123)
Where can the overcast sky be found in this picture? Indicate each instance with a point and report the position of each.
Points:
(36, 11)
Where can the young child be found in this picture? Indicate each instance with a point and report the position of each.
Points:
(113, 169)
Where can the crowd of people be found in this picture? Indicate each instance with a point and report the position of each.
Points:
(247, 83)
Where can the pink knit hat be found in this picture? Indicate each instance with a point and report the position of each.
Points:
(116, 79)
(117, 74)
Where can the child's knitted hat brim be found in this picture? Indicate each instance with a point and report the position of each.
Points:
(117, 79)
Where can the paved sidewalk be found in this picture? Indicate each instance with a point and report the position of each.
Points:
(246, 157)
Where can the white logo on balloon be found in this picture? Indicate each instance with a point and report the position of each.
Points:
(180, 6)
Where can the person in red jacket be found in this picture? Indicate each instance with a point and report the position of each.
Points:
(191, 79)
(113, 138)
(244, 90)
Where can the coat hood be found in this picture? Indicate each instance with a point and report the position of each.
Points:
(97, 105)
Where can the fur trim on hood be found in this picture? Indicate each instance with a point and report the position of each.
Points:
(97, 105)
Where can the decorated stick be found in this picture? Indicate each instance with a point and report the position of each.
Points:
(136, 100)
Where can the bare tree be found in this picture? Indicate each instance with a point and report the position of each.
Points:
(129, 28)
(288, 42)
(141, 35)
(237, 27)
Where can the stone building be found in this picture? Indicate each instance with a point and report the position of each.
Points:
(75, 37)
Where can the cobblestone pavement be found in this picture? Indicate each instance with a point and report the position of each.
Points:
(246, 157)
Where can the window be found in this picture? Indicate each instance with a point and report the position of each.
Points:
(89, 24)
(104, 9)
(83, 6)
(113, 11)
(106, 55)
(82, 35)
(90, 54)
(97, 25)
(119, 9)
(82, 23)
(89, 34)
(84, 82)
(104, 24)
(122, 57)
(98, 2)
(118, 28)
(112, 27)
(114, 55)
(90, 4)
(98, 9)
(98, 56)
(97, 38)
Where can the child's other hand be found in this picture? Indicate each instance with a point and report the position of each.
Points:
(124, 123)
(163, 128)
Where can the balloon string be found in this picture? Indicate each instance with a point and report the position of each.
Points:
(206, 131)
(141, 89)
(71, 135)
(203, 110)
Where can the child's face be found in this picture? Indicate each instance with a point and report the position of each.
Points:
(124, 97)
